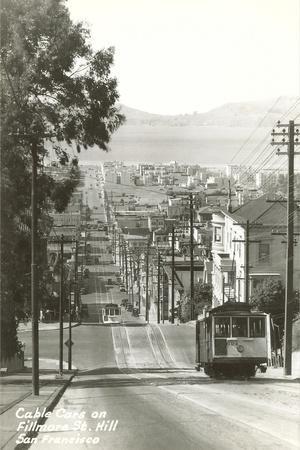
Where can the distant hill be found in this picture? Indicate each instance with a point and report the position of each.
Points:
(210, 138)
(244, 114)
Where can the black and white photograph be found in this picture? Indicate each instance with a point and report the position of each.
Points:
(150, 224)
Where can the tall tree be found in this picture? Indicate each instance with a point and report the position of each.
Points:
(56, 88)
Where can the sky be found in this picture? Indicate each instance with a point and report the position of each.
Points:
(181, 56)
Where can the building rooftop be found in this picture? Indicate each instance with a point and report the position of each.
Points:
(258, 210)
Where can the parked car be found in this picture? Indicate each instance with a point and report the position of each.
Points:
(129, 307)
(124, 301)
(122, 289)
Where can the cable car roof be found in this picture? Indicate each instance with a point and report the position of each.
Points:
(234, 308)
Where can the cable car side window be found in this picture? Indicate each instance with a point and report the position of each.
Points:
(222, 326)
(239, 327)
(257, 327)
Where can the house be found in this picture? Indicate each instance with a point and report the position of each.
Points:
(267, 252)
(182, 280)
(156, 221)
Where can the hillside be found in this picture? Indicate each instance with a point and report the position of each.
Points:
(210, 138)
(243, 114)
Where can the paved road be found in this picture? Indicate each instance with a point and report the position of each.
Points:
(138, 382)
(129, 374)
(169, 409)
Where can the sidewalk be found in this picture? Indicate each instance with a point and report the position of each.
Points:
(278, 372)
(44, 326)
(16, 392)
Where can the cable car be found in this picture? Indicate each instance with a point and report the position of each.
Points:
(109, 313)
(232, 340)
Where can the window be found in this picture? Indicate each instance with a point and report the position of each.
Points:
(239, 327)
(218, 234)
(264, 253)
(222, 327)
(257, 327)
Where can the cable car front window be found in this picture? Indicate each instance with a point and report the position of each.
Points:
(257, 327)
(222, 327)
(239, 327)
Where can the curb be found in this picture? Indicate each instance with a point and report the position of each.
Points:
(51, 403)
(65, 327)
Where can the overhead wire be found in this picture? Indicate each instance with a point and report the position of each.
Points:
(261, 153)
(255, 129)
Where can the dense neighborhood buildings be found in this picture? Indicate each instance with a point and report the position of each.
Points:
(145, 203)
(267, 251)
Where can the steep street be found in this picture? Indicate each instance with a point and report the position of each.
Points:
(136, 386)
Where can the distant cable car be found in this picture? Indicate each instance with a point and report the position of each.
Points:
(109, 313)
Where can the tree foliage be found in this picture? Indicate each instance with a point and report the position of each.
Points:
(202, 298)
(54, 88)
(269, 297)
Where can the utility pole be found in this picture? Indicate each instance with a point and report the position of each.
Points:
(247, 268)
(70, 329)
(120, 254)
(158, 287)
(114, 244)
(34, 300)
(85, 232)
(139, 282)
(131, 277)
(192, 254)
(229, 204)
(289, 140)
(147, 282)
(173, 276)
(126, 265)
(61, 302)
(122, 257)
(247, 242)
(163, 298)
(76, 290)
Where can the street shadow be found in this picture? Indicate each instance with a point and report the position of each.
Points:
(133, 324)
(116, 370)
(100, 371)
(169, 376)
(28, 381)
(123, 380)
